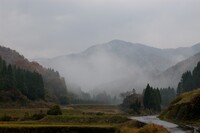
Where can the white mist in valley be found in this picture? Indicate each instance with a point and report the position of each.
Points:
(95, 67)
(117, 66)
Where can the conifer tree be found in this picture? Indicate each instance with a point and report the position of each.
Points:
(152, 99)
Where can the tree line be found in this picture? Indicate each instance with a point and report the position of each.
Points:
(154, 98)
(149, 100)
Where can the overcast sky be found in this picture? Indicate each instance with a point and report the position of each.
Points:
(48, 28)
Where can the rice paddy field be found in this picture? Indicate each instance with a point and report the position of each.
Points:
(74, 119)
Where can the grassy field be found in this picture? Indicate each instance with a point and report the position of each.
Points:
(77, 118)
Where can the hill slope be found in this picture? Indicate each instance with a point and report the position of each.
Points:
(172, 75)
(185, 107)
(55, 88)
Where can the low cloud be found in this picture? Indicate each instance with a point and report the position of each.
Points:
(47, 28)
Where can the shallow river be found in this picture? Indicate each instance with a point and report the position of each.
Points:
(173, 128)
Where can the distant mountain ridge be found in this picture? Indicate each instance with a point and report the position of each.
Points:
(118, 63)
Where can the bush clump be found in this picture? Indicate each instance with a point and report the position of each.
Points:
(54, 110)
(38, 116)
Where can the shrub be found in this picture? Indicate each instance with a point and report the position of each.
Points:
(38, 116)
(54, 110)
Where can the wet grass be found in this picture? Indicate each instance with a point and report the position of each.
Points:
(75, 119)
(85, 118)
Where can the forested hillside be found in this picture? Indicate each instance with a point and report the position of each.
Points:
(28, 83)
(31, 79)
(172, 75)
(189, 80)
(186, 106)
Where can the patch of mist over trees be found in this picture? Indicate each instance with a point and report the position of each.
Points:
(167, 95)
(86, 98)
(28, 83)
(105, 98)
(189, 80)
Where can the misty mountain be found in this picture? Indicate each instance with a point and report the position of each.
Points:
(172, 75)
(169, 77)
(117, 65)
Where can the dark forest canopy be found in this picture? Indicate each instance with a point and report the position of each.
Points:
(30, 84)
(152, 99)
(54, 88)
(189, 80)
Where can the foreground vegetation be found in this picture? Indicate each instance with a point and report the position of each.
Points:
(137, 127)
(184, 109)
(84, 118)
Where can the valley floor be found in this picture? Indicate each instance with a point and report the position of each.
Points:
(75, 118)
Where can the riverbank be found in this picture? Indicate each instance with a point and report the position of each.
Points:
(171, 127)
